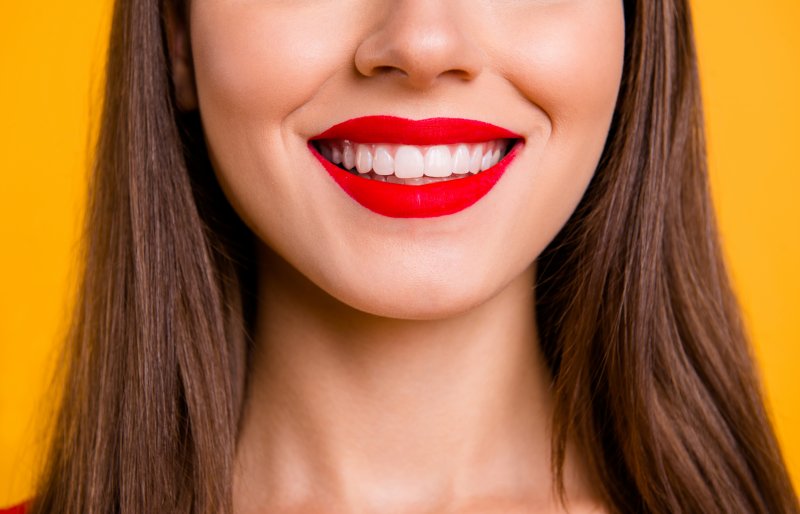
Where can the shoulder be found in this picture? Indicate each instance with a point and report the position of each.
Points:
(14, 509)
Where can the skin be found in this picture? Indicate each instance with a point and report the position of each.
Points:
(396, 364)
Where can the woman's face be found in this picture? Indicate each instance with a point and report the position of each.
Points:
(271, 75)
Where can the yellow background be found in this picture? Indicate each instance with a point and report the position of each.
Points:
(51, 57)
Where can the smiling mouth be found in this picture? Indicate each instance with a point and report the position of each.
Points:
(404, 168)
(413, 164)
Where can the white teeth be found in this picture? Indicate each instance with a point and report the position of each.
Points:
(384, 162)
(496, 156)
(363, 159)
(438, 162)
(486, 162)
(475, 159)
(348, 155)
(408, 162)
(461, 160)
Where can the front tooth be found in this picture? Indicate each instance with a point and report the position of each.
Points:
(363, 159)
(408, 162)
(438, 162)
(461, 160)
(475, 159)
(383, 164)
(348, 155)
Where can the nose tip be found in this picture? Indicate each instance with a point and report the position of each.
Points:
(420, 42)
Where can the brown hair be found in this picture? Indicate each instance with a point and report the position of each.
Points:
(652, 374)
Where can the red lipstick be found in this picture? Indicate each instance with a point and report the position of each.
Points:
(416, 201)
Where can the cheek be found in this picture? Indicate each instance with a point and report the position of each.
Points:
(253, 62)
(567, 59)
(255, 67)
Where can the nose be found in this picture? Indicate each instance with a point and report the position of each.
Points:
(421, 41)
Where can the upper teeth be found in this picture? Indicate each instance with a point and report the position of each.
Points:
(407, 161)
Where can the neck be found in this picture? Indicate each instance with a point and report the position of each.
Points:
(356, 410)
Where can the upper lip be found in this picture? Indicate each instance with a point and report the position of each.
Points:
(430, 131)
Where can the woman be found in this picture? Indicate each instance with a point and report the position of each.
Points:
(406, 256)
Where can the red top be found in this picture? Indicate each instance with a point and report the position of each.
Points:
(15, 509)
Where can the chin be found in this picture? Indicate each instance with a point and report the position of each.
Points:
(419, 307)
(415, 294)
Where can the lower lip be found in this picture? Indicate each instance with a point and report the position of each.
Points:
(423, 201)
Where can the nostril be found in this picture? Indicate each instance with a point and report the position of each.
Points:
(460, 74)
(386, 70)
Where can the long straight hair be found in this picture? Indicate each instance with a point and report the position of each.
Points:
(651, 368)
